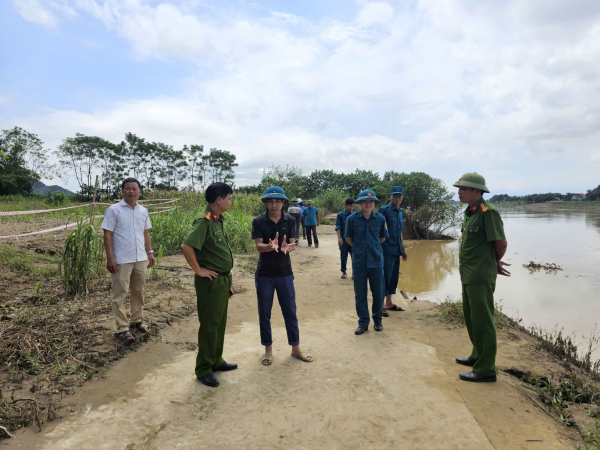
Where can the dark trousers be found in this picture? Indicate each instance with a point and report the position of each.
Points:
(345, 250)
(286, 294)
(297, 226)
(375, 278)
(478, 308)
(303, 228)
(391, 272)
(312, 229)
(212, 299)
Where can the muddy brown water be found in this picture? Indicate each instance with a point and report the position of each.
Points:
(568, 299)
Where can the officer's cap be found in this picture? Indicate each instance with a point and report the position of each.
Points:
(367, 194)
(274, 192)
(472, 180)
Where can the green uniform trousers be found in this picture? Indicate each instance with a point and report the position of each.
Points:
(213, 298)
(478, 308)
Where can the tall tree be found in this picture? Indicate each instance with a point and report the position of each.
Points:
(221, 163)
(83, 155)
(195, 162)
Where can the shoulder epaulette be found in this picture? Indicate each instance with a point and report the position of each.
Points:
(484, 208)
(207, 216)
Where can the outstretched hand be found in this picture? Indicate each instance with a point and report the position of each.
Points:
(502, 270)
(285, 247)
(274, 244)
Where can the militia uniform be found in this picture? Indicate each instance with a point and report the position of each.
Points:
(367, 262)
(478, 267)
(345, 249)
(393, 247)
(212, 251)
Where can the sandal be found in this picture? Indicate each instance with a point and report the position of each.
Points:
(125, 336)
(396, 308)
(266, 359)
(141, 327)
(384, 313)
(344, 276)
(302, 357)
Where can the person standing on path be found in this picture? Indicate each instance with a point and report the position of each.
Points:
(302, 219)
(393, 248)
(275, 235)
(296, 212)
(482, 247)
(340, 228)
(365, 232)
(311, 222)
(206, 250)
(128, 255)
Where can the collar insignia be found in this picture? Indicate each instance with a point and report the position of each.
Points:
(483, 207)
(474, 208)
(207, 216)
(215, 217)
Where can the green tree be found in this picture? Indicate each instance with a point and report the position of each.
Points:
(593, 194)
(196, 163)
(289, 178)
(220, 164)
(84, 155)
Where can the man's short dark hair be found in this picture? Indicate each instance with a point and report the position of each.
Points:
(217, 190)
(130, 180)
(350, 201)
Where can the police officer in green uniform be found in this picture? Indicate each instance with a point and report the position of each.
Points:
(207, 252)
(482, 247)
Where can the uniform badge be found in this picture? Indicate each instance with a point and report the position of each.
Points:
(215, 217)
(483, 207)
(474, 208)
(369, 194)
(207, 216)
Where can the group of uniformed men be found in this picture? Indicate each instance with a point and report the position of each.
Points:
(373, 239)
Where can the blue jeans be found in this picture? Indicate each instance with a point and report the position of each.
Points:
(345, 250)
(391, 272)
(286, 294)
(375, 278)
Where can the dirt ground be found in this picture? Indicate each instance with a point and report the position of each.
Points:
(394, 389)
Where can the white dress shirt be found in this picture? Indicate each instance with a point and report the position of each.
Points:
(128, 225)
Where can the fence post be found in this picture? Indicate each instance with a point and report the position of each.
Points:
(94, 201)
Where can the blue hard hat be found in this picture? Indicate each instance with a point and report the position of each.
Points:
(397, 190)
(274, 192)
(367, 194)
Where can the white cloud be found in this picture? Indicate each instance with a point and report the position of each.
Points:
(35, 11)
(498, 85)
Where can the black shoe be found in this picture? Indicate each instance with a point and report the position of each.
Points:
(378, 327)
(316, 245)
(310, 245)
(209, 380)
(225, 367)
(477, 377)
(466, 361)
(361, 329)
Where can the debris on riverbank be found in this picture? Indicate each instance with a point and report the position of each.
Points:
(536, 267)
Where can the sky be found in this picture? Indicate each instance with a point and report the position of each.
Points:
(509, 89)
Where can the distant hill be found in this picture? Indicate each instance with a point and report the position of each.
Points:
(42, 189)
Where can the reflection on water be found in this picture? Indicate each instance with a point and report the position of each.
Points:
(569, 298)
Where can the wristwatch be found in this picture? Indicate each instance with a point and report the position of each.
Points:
(151, 251)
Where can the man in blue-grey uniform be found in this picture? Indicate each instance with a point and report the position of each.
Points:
(340, 228)
(365, 232)
(393, 248)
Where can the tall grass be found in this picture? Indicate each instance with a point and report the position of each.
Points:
(170, 229)
(330, 202)
(83, 258)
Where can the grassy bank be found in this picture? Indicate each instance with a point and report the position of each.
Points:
(569, 389)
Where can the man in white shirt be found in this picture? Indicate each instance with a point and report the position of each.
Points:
(128, 254)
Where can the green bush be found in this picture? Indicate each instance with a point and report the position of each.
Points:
(330, 202)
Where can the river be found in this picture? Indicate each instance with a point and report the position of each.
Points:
(568, 298)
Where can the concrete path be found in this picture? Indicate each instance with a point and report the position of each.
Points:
(379, 390)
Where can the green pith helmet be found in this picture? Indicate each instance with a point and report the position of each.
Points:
(274, 192)
(472, 180)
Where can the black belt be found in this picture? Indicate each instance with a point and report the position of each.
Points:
(224, 274)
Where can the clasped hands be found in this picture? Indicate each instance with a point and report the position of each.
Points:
(285, 247)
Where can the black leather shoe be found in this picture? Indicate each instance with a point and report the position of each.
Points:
(361, 329)
(226, 367)
(466, 361)
(209, 380)
(378, 327)
(477, 377)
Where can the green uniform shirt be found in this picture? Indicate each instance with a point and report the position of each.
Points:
(481, 226)
(210, 242)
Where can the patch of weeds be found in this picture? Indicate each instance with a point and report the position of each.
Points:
(548, 267)
(33, 362)
(450, 311)
(591, 434)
